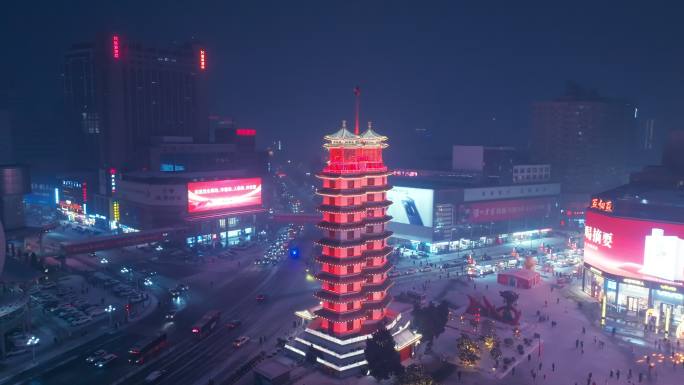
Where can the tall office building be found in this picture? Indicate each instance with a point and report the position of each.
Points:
(585, 138)
(119, 94)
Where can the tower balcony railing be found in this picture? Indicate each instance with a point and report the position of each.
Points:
(355, 167)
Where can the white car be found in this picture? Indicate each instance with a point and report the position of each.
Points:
(81, 321)
(105, 360)
(96, 356)
(240, 341)
(154, 376)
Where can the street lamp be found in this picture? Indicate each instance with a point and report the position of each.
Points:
(33, 341)
(110, 309)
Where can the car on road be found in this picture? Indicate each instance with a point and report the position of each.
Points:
(425, 269)
(170, 315)
(233, 324)
(240, 341)
(174, 293)
(96, 355)
(182, 287)
(261, 298)
(154, 376)
(105, 360)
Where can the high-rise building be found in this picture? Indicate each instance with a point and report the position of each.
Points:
(585, 138)
(354, 260)
(119, 94)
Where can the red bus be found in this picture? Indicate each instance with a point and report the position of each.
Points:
(206, 324)
(146, 348)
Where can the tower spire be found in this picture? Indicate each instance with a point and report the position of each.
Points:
(357, 94)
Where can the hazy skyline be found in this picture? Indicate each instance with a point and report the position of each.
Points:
(467, 72)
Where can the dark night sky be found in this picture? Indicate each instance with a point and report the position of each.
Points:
(287, 68)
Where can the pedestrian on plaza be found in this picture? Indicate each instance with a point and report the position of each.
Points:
(553, 366)
(594, 340)
(577, 343)
(617, 374)
(540, 366)
(629, 374)
(582, 344)
(641, 377)
(458, 374)
(529, 357)
(611, 373)
(584, 331)
(557, 301)
(474, 286)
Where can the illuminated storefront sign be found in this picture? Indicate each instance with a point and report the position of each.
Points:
(640, 250)
(223, 194)
(115, 46)
(115, 211)
(668, 288)
(408, 173)
(602, 205)
(504, 210)
(245, 132)
(203, 59)
(112, 179)
(632, 282)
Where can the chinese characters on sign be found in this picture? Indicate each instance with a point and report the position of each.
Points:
(223, 189)
(595, 235)
(404, 173)
(600, 204)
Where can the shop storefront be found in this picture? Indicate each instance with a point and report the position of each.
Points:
(658, 307)
(224, 238)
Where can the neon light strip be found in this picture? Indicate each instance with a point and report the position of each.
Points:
(295, 350)
(332, 353)
(341, 368)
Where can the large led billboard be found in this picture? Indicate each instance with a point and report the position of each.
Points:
(223, 194)
(412, 206)
(634, 248)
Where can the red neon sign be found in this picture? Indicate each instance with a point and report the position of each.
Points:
(203, 60)
(115, 46)
(223, 194)
(602, 205)
(245, 132)
(84, 189)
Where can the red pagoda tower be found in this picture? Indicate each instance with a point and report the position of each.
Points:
(354, 262)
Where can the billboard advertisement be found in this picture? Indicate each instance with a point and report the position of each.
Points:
(504, 210)
(412, 206)
(223, 194)
(634, 248)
